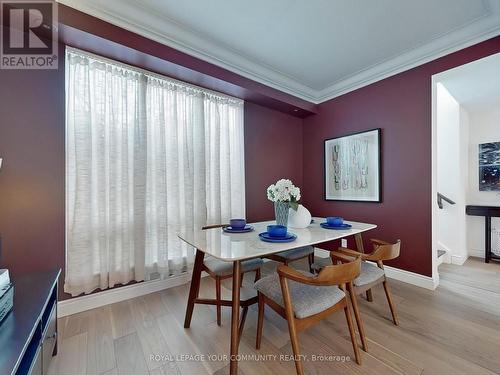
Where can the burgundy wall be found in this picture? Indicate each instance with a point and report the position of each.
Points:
(32, 175)
(273, 150)
(401, 106)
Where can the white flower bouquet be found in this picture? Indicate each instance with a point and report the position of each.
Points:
(284, 191)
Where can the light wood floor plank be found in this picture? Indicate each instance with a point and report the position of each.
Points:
(72, 356)
(100, 342)
(129, 356)
(170, 368)
(121, 319)
(181, 342)
(75, 324)
(486, 275)
(148, 332)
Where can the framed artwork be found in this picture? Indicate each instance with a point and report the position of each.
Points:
(352, 167)
(489, 166)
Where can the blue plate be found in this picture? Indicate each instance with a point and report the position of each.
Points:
(338, 227)
(264, 236)
(229, 229)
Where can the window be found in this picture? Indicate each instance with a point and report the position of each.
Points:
(145, 156)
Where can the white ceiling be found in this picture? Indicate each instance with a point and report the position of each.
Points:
(476, 85)
(313, 49)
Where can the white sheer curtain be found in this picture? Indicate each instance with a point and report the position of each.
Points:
(145, 156)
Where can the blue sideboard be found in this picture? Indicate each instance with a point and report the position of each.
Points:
(28, 335)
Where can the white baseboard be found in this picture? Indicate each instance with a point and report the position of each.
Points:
(408, 277)
(458, 259)
(476, 253)
(106, 297)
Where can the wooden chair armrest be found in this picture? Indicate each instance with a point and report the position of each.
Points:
(352, 253)
(292, 274)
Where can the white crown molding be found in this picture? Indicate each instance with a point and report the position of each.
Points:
(483, 29)
(170, 33)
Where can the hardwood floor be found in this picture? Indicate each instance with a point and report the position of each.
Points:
(453, 330)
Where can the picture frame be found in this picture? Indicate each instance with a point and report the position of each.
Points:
(352, 167)
(489, 166)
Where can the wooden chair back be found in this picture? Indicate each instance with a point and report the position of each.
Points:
(338, 274)
(385, 251)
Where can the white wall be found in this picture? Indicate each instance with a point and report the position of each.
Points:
(452, 173)
(484, 128)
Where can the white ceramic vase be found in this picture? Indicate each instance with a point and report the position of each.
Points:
(300, 218)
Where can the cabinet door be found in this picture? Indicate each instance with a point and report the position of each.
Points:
(49, 340)
(36, 366)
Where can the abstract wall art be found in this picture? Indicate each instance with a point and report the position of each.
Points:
(489, 166)
(352, 167)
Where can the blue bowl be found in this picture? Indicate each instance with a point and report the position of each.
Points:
(276, 230)
(237, 223)
(334, 220)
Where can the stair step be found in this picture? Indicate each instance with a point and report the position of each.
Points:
(441, 253)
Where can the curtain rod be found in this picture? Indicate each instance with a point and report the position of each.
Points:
(154, 75)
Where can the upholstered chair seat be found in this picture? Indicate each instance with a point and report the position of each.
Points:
(369, 273)
(307, 299)
(221, 268)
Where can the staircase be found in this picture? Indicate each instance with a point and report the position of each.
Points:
(441, 255)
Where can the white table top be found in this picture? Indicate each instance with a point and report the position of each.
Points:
(241, 246)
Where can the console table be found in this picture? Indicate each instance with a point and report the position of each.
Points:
(28, 335)
(488, 212)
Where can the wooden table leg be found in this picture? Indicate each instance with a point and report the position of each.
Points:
(361, 248)
(195, 286)
(235, 317)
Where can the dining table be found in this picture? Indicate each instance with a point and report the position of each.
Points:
(238, 247)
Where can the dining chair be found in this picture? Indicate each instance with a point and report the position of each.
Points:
(220, 270)
(303, 299)
(371, 275)
(288, 256)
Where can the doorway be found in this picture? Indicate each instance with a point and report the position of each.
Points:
(465, 122)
